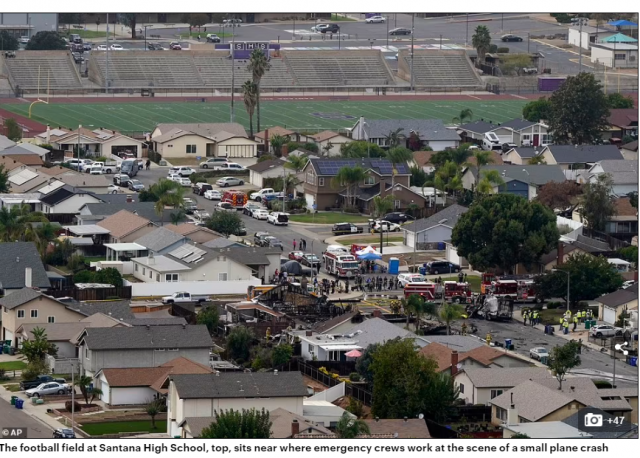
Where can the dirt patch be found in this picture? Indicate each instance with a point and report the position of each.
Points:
(344, 403)
(317, 386)
(420, 257)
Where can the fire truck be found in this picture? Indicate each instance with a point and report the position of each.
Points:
(340, 264)
(457, 292)
(425, 289)
(514, 290)
(236, 198)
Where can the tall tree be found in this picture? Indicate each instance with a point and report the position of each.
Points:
(4, 180)
(13, 129)
(616, 100)
(559, 196)
(363, 364)
(361, 148)
(209, 316)
(225, 223)
(350, 428)
(38, 346)
(8, 42)
(395, 137)
(348, 178)
(538, 110)
(277, 142)
(579, 111)
(483, 158)
(168, 194)
(563, 359)
(295, 162)
(450, 313)
(503, 230)
(153, 409)
(239, 342)
(490, 179)
(382, 205)
(130, 20)
(481, 41)
(633, 199)
(46, 41)
(597, 202)
(447, 179)
(84, 382)
(414, 142)
(465, 115)
(234, 424)
(258, 66)
(281, 354)
(250, 98)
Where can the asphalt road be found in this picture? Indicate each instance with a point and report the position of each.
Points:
(14, 418)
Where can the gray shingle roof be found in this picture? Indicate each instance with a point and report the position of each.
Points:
(240, 385)
(532, 174)
(518, 124)
(169, 321)
(159, 239)
(452, 213)
(479, 127)
(526, 152)
(143, 337)
(18, 298)
(116, 202)
(377, 330)
(248, 255)
(221, 243)
(591, 245)
(570, 154)
(622, 296)
(458, 343)
(120, 310)
(15, 257)
(505, 377)
(263, 166)
(618, 165)
(632, 146)
(583, 390)
(429, 129)
(533, 401)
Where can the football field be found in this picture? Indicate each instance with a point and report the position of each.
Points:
(298, 115)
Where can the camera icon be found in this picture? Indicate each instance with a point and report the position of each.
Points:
(592, 420)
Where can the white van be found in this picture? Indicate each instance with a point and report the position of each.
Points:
(491, 142)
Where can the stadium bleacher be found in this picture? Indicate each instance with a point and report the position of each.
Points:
(438, 69)
(56, 70)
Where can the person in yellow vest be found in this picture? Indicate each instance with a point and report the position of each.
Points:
(488, 338)
(575, 323)
(561, 320)
(583, 316)
(565, 326)
(525, 316)
(536, 318)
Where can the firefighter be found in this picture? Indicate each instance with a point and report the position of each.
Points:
(536, 318)
(565, 326)
(525, 315)
(575, 323)
(464, 328)
(488, 338)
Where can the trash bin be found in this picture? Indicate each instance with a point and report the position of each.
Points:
(12, 351)
(19, 403)
(13, 400)
(423, 271)
(633, 361)
(551, 330)
(34, 400)
(544, 360)
(507, 344)
(587, 325)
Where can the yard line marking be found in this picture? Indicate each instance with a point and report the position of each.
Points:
(518, 96)
(474, 97)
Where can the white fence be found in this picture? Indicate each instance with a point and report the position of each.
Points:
(214, 288)
(330, 394)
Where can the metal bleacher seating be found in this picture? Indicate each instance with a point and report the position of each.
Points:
(55, 69)
(441, 69)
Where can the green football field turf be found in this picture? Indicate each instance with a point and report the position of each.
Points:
(294, 115)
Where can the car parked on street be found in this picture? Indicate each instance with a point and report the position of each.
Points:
(510, 37)
(225, 182)
(212, 162)
(182, 171)
(121, 179)
(136, 185)
(64, 433)
(605, 330)
(405, 279)
(400, 31)
(397, 217)
(538, 353)
(213, 194)
(201, 188)
(442, 267)
(278, 218)
(375, 20)
(249, 208)
(228, 166)
(296, 255)
(260, 214)
(175, 46)
(272, 242)
(116, 47)
(225, 206)
(385, 226)
(258, 195)
(48, 388)
(346, 228)
(213, 38)
(310, 260)
(259, 237)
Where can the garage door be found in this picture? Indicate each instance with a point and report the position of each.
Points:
(609, 315)
(106, 391)
(310, 201)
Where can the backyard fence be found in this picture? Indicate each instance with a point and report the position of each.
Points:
(93, 294)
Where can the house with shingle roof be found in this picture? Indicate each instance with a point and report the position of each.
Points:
(16, 258)
(435, 229)
(422, 159)
(623, 122)
(576, 157)
(30, 160)
(272, 168)
(450, 361)
(195, 233)
(113, 203)
(67, 200)
(96, 142)
(329, 142)
(624, 174)
(478, 385)
(630, 151)
(161, 240)
(581, 244)
(623, 225)
(276, 130)
(521, 155)
(6, 143)
(203, 395)
(98, 184)
(432, 132)
(611, 306)
(125, 226)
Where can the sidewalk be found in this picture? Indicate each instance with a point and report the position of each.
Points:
(39, 412)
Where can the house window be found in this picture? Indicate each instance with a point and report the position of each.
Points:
(461, 385)
(221, 258)
(397, 204)
(136, 267)
(312, 348)
(320, 181)
(160, 349)
(495, 393)
(311, 177)
(501, 414)
(621, 57)
(20, 313)
(526, 139)
(334, 355)
(191, 149)
(87, 353)
(144, 271)
(151, 274)
(51, 319)
(369, 180)
(171, 277)
(172, 349)
(547, 139)
(158, 278)
(34, 314)
(223, 276)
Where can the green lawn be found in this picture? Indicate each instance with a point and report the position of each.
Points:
(474, 282)
(328, 218)
(14, 388)
(295, 115)
(13, 365)
(94, 258)
(98, 429)
(373, 239)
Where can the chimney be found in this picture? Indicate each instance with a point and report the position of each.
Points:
(27, 277)
(560, 250)
(129, 198)
(512, 414)
(377, 314)
(295, 428)
(454, 362)
(308, 333)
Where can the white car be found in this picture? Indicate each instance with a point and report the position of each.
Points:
(24, 40)
(405, 279)
(182, 171)
(278, 219)
(95, 170)
(375, 20)
(183, 181)
(173, 177)
(605, 330)
(385, 226)
(538, 353)
(48, 388)
(116, 47)
(229, 181)
(212, 194)
(101, 48)
(225, 206)
(228, 166)
(84, 165)
(261, 214)
(257, 196)
(113, 189)
(201, 216)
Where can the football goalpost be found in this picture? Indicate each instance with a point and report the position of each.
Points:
(39, 99)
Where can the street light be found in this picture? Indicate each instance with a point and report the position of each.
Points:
(145, 36)
(568, 283)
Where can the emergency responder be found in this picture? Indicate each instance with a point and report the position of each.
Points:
(536, 318)
(575, 323)
(464, 329)
(565, 326)
(525, 315)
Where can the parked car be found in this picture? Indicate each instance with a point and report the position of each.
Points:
(75, 38)
(405, 279)
(249, 208)
(442, 267)
(259, 237)
(260, 214)
(121, 179)
(189, 205)
(400, 31)
(278, 219)
(175, 46)
(87, 46)
(201, 188)
(113, 189)
(310, 260)
(183, 181)
(24, 40)
(201, 216)
(296, 255)
(605, 330)
(213, 161)
(183, 296)
(101, 48)
(39, 380)
(375, 20)
(95, 169)
(85, 165)
(77, 58)
(385, 226)
(272, 242)
(212, 194)
(213, 38)
(319, 27)
(225, 206)
(182, 171)
(48, 388)
(346, 228)
(397, 217)
(228, 166)
(136, 185)
(116, 47)
(330, 28)
(241, 231)
(510, 37)
(538, 353)
(257, 196)
(64, 433)
(229, 181)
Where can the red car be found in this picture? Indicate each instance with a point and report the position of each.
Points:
(296, 255)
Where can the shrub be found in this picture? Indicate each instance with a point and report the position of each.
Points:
(76, 406)
(503, 50)
(553, 305)
(354, 377)
(493, 49)
(355, 407)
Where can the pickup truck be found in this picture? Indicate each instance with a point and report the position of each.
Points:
(183, 296)
(39, 380)
(107, 167)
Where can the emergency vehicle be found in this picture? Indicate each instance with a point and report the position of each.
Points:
(425, 289)
(457, 292)
(255, 291)
(515, 290)
(340, 264)
(236, 198)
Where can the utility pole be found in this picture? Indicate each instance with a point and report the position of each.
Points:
(466, 40)
(284, 190)
(386, 20)
(528, 42)
(107, 60)
(502, 23)
(412, 29)
(580, 59)
(233, 68)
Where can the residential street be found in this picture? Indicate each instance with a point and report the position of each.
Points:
(14, 418)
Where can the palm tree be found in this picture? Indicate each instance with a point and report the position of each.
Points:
(482, 158)
(481, 40)
(84, 382)
(348, 177)
(382, 205)
(397, 155)
(177, 216)
(451, 313)
(465, 114)
(277, 141)
(395, 137)
(250, 92)
(295, 162)
(448, 179)
(153, 409)
(258, 66)
(490, 179)
(349, 428)
(460, 155)
(169, 194)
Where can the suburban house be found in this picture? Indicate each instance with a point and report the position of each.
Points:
(339, 323)
(67, 200)
(23, 149)
(11, 166)
(272, 168)
(203, 140)
(320, 191)
(521, 155)
(451, 361)
(6, 143)
(624, 174)
(422, 159)
(268, 134)
(125, 226)
(434, 230)
(519, 132)
(98, 184)
(630, 151)
(97, 142)
(31, 199)
(568, 247)
(195, 233)
(623, 225)
(329, 142)
(161, 241)
(21, 267)
(28, 306)
(432, 132)
(202, 395)
(113, 203)
(478, 385)
(623, 122)
(140, 385)
(615, 55)
(27, 180)
(586, 36)
(521, 180)
(578, 157)
(612, 305)
(30, 160)
(142, 346)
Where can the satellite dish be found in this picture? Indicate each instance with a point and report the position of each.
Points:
(421, 416)
(459, 366)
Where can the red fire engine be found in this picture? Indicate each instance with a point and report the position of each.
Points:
(527, 292)
(515, 290)
(425, 289)
(457, 292)
(487, 279)
(340, 264)
(236, 198)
